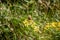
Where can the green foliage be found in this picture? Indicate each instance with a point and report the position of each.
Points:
(14, 12)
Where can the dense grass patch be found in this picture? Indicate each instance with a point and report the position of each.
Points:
(29, 20)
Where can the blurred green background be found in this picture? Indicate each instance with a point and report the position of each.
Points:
(14, 12)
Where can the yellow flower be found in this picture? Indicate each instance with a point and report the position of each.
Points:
(25, 22)
(29, 22)
(33, 24)
(47, 26)
(54, 24)
(59, 24)
(36, 28)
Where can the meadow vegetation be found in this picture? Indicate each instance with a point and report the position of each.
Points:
(29, 19)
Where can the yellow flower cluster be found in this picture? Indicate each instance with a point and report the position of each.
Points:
(52, 25)
(31, 23)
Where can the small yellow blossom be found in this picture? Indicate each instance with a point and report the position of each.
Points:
(25, 22)
(33, 25)
(36, 28)
(59, 24)
(47, 26)
(54, 24)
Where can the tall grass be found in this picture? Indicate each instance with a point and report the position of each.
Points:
(13, 14)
